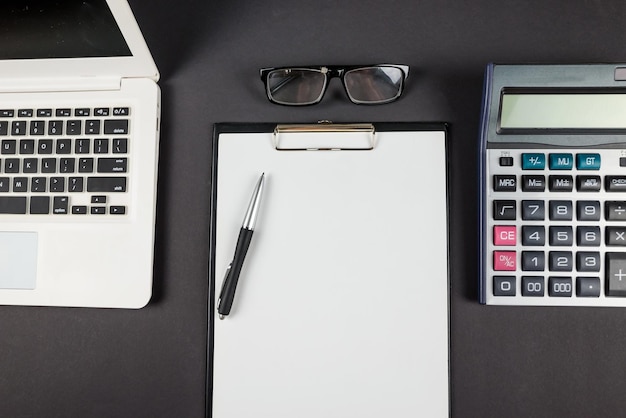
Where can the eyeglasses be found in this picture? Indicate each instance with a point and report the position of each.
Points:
(301, 86)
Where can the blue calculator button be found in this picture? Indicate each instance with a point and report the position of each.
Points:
(588, 161)
(533, 161)
(561, 161)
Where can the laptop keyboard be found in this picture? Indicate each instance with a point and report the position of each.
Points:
(64, 161)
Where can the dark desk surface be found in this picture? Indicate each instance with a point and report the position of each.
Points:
(505, 361)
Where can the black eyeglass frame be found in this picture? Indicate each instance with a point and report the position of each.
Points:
(334, 71)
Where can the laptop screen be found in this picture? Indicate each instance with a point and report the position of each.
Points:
(31, 29)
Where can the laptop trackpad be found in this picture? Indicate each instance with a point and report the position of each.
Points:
(18, 260)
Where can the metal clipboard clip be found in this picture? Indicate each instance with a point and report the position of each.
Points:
(325, 136)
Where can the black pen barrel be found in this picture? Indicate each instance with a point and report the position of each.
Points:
(230, 283)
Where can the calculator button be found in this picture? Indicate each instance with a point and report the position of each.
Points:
(504, 285)
(561, 236)
(561, 183)
(561, 161)
(615, 183)
(588, 210)
(616, 274)
(588, 161)
(506, 161)
(504, 261)
(505, 235)
(504, 183)
(588, 183)
(615, 211)
(588, 261)
(560, 261)
(560, 286)
(533, 261)
(560, 210)
(533, 161)
(622, 161)
(588, 236)
(533, 235)
(588, 287)
(504, 210)
(532, 286)
(533, 183)
(533, 210)
(616, 235)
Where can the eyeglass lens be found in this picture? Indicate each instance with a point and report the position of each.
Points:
(296, 86)
(374, 84)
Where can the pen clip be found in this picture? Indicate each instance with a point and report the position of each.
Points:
(224, 283)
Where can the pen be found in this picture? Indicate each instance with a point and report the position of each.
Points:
(227, 294)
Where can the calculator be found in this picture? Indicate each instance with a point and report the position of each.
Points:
(553, 185)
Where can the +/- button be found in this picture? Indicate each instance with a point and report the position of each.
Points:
(532, 161)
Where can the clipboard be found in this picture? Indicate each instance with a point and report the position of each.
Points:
(342, 304)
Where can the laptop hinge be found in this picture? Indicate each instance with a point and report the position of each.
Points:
(23, 85)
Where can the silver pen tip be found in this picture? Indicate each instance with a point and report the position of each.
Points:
(221, 316)
(253, 208)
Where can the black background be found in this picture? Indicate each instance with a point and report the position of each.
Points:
(505, 361)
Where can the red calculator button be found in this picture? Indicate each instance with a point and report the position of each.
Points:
(504, 261)
(504, 235)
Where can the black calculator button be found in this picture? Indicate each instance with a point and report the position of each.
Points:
(588, 210)
(533, 235)
(504, 210)
(562, 236)
(506, 161)
(615, 210)
(588, 261)
(615, 183)
(588, 287)
(560, 210)
(560, 286)
(588, 236)
(588, 183)
(533, 261)
(560, 261)
(616, 274)
(533, 183)
(504, 285)
(533, 210)
(533, 286)
(561, 183)
(622, 161)
(616, 235)
(504, 183)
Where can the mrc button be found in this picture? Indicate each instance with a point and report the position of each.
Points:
(504, 183)
(615, 183)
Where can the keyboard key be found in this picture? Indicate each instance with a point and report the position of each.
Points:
(60, 205)
(120, 145)
(504, 210)
(63, 112)
(98, 210)
(12, 165)
(112, 165)
(106, 184)
(560, 261)
(38, 184)
(79, 210)
(504, 285)
(117, 210)
(615, 274)
(116, 126)
(18, 128)
(82, 146)
(27, 146)
(12, 205)
(533, 210)
(121, 111)
(25, 113)
(44, 113)
(75, 184)
(588, 161)
(37, 128)
(83, 111)
(615, 210)
(533, 286)
(588, 261)
(6, 113)
(74, 127)
(616, 235)
(4, 184)
(101, 111)
(533, 161)
(588, 287)
(4, 128)
(504, 183)
(92, 127)
(561, 161)
(588, 210)
(560, 286)
(85, 165)
(66, 165)
(44, 146)
(64, 146)
(40, 205)
(560, 183)
(588, 183)
(533, 183)
(57, 184)
(20, 184)
(55, 127)
(615, 183)
(8, 146)
(101, 146)
(48, 165)
(98, 199)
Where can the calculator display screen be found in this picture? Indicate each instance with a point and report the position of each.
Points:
(570, 110)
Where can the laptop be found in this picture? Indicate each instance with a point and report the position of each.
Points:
(79, 137)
